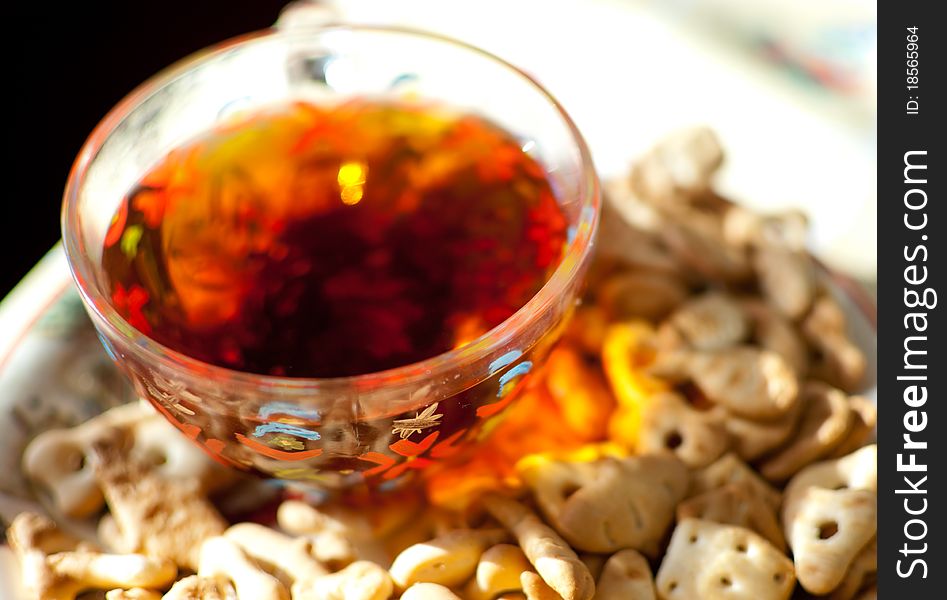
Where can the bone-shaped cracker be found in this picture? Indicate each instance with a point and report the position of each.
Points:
(557, 564)
(158, 517)
(222, 558)
(55, 566)
(361, 580)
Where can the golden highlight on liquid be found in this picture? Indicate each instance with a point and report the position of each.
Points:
(325, 241)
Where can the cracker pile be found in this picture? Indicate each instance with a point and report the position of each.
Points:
(698, 440)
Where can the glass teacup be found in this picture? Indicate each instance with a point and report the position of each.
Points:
(377, 427)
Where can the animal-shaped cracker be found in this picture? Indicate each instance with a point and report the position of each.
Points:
(858, 470)
(864, 420)
(289, 559)
(735, 504)
(711, 561)
(132, 594)
(730, 469)
(448, 560)
(748, 382)
(429, 591)
(155, 516)
(334, 536)
(787, 278)
(55, 566)
(862, 570)
(498, 571)
(710, 322)
(752, 439)
(609, 504)
(195, 587)
(641, 295)
(682, 164)
(826, 530)
(223, 559)
(823, 424)
(626, 576)
(842, 362)
(60, 460)
(670, 425)
(361, 580)
(774, 332)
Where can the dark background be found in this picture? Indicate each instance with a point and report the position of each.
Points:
(66, 65)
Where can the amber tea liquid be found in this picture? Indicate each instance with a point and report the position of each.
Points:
(324, 242)
(330, 241)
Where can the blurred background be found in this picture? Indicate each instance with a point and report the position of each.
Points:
(789, 86)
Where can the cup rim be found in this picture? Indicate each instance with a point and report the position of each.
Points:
(570, 265)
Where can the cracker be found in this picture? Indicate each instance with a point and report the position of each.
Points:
(774, 332)
(669, 425)
(641, 295)
(156, 516)
(498, 571)
(711, 321)
(824, 423)
(826, 530)
(860, 573)
(429, 591)
(752, 439)
(858, 470)
(748, 382)
(681, 164)
(609, 504)
(708, 561)
(556, 563)
(842, 363)
(222, 558)
(730, 469)
(864, 420)
(735, 504)
(536, 588)
(448, 560)
(626, 576)
(787, 278)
